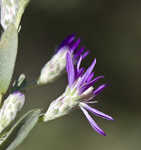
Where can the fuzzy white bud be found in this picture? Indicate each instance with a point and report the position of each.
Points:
(11, 106)
(54, 67)
(11, 12)
(62, 105)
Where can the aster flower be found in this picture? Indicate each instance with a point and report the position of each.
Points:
(79, 93)
(56, 65)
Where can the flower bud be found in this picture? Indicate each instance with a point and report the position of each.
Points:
(11, 12)
(56, 109)
(11, 106)
(53, 68)
(62, 105)
(57, 63)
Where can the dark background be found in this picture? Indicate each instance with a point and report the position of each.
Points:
(111, 30)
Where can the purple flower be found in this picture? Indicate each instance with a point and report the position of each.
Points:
(80, 90)
(81, 83)
(72, 45)
(56, 65)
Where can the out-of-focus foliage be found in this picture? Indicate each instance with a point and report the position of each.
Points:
(8, 53)
(15, 136)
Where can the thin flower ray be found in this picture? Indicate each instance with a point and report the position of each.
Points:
(79, 52)
(79, 63)
(85, 54)
(92, 122)
(70, 69)
(90, 77)
(99, 89)
(88, 72)
(75, 45)
(96, 112)
(90, 83)
(67, 41)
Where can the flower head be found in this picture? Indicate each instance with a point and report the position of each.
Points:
(56, 65)
(72, 47)
(79, 92)
(11, 12)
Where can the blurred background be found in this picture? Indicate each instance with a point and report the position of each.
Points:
(111, 30)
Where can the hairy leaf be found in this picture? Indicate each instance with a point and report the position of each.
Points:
(8, 52)
(15, 136)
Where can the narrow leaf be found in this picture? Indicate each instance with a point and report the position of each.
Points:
(8, 52)
(15, 136)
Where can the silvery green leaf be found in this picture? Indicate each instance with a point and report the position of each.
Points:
(11, 12)
(15, 136)
(8, 52)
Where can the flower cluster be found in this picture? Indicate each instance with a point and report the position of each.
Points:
(56, 65)
(79, 92)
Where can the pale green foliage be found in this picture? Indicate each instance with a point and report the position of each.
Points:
(8, 52)
(12, 134)
(10, 139)
(11, 12)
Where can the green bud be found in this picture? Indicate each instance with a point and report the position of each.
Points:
(10, 107)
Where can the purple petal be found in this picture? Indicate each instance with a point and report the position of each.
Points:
(75, 45)
(92, 122)
(97, 78)
(97, 112)
(70, 38)
(67, 41)
(78, 53)
(70, 69)
(85, 54)
(88, 72)
(90, 77)
(79, 63)
(80, 72)
(99, 89)
(89, 84)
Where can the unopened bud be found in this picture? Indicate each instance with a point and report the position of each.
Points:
(54, 67)
(11, 106)
(11, 12)
(62, 105)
